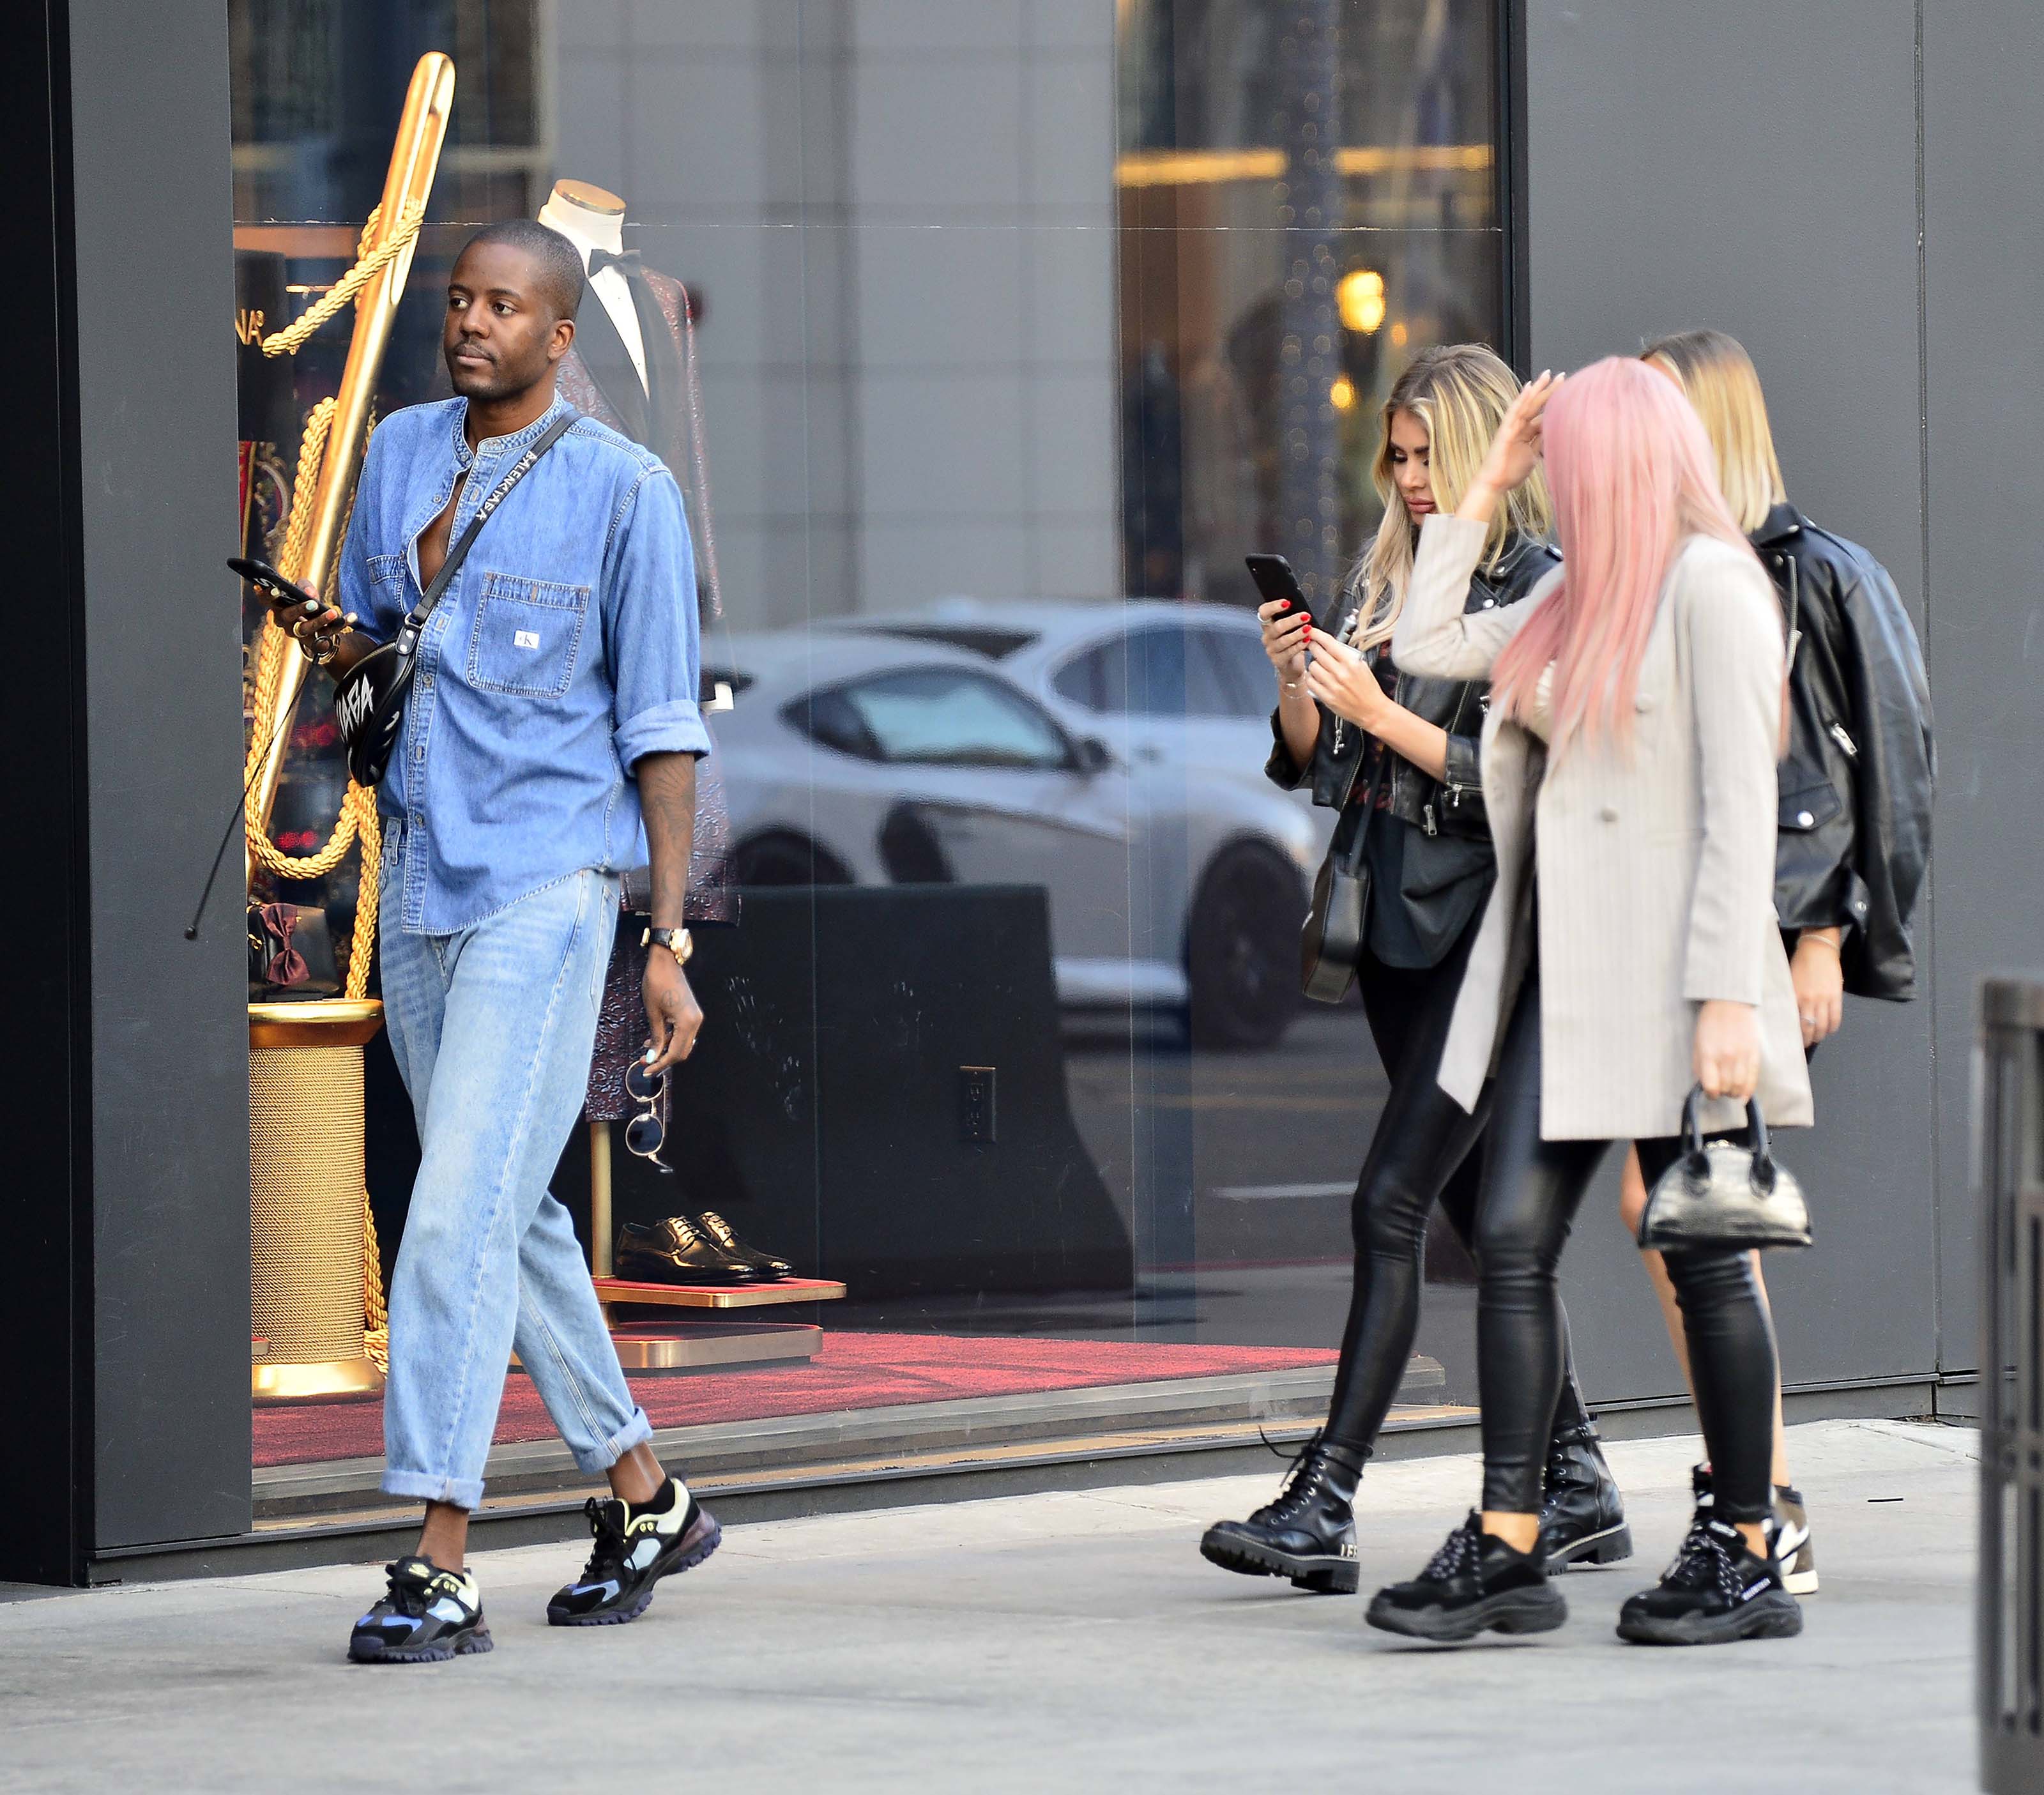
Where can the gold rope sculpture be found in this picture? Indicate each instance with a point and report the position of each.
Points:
(316, 1286)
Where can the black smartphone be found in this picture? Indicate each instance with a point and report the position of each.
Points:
(1275, 579)
(276, 589)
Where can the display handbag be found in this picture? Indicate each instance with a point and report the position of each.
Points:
(1331, 943)
(1722, 1195)
(369, 701)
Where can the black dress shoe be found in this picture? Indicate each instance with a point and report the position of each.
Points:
(1582, 1518)
(1308, 1534)
(673, 1252)
(1475, 1582)
(717, 1229)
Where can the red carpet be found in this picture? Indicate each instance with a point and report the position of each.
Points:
(852, 1371)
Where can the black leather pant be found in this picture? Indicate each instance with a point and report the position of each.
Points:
(1423, 1151)
(1531, 1189)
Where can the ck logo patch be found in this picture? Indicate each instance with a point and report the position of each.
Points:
(525, 639)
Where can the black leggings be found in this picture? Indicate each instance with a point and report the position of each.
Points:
(1531, 1189)
(1422, 1151)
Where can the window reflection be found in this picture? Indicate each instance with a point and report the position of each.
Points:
(1019, 326)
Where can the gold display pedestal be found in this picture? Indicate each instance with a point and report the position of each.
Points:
(744, 1343)
(307, 1187)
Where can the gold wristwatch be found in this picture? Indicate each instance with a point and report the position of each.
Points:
(677, 941)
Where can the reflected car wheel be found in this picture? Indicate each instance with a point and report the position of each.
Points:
(785, 859)
(1242, 950)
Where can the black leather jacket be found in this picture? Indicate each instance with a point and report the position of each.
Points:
(1856, 782)
(1452, 837)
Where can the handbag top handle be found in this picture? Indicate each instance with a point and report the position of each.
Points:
(1757, 1141)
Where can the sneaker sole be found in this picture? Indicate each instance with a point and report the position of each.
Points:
(1320, 1575)
(1611, 1546)
(1801, 1582)
(1517, 1611)
(471, 1644)
(1774, 1616)
(619, 1616)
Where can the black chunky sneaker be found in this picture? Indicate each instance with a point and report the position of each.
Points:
(1792, 1544)
(1582, 1516)
(1717, 1591)
(428, 1615)
(1475, 1582)
(1792, 1521)
(635, 1548)
(1308, 1534)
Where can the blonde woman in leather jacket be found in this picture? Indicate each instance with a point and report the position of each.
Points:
(1358, 730)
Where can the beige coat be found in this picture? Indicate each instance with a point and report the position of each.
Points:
(1656, 864)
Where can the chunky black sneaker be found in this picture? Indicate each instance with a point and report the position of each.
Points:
(1582, 1516)
(1792, 1544)
(1308, 1534)
(1475, 1582)
(1717, 1591)
(428, 1615)
(635, 1548)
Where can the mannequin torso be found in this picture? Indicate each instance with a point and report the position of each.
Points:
(586, 217)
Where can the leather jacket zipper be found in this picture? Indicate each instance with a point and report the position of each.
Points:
(1839, 735)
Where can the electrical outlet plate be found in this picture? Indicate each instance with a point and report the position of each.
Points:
(976, 1103)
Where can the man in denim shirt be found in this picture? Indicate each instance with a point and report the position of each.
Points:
(551, 728)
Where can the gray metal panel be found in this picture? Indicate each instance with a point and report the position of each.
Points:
(1983, 69)
(170, 1089)
(1752, 167)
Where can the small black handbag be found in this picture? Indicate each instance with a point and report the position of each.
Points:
(1331, 943)
(1724, 1195)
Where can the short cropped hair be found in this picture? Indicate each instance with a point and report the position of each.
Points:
(558, 261)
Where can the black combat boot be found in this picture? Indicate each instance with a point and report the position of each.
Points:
(1582, 1517)
(1308, 1534)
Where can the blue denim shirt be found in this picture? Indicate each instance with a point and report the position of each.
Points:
(563, 650)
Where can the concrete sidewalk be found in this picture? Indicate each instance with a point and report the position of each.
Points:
(1048, 1641)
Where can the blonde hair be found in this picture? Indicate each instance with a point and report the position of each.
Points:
(1718, 376)
(1460, 391)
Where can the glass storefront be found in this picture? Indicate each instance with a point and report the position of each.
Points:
(1016, 324)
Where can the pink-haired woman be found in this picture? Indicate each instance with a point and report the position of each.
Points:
(1629, 951)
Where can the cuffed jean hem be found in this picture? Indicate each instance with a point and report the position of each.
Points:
(456, 1492)
(636, 1432)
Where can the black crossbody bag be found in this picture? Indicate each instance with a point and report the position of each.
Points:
(1330, 944)
(369, 701)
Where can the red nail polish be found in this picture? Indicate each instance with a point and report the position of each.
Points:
(1284, 604)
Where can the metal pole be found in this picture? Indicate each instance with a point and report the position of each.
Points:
(421, 130)
(2009, 1154)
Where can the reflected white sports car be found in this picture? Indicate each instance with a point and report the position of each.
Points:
(852, 756)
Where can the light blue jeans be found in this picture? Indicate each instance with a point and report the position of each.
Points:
(493, 1028)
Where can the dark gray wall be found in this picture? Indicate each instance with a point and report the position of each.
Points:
(1984, 257)
(1752, 166)
(169, 1084)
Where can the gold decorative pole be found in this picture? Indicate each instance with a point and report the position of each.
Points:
(307, 1190)
(421, 130)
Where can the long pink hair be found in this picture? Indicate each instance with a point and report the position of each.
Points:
(1633, 475)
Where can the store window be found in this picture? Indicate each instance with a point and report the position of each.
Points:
(1003, 331)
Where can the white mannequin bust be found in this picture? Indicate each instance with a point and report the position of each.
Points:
(590, 218)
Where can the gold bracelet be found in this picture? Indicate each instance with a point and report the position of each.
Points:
(1836, 947)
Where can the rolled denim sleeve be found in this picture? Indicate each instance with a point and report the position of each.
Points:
(655, 655)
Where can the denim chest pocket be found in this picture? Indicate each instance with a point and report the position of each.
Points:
(386, 570)
(527, 636)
